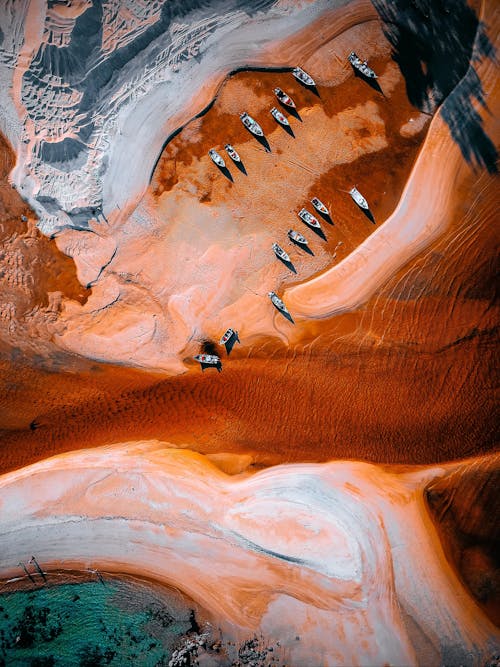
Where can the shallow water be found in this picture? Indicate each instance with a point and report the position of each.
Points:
(89, 623)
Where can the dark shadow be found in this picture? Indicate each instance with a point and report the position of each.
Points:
(288, 130)
(263, 142)
(218, 366)
(318, 231)
(326, 217)
(34, 425)
(241, 167)
(232, 342)
(313, 89)
(295, 114)
(288, 265)
(440, 71)
(368, 214)
(285, 315)
(373, 83)
(292, 112)
(226, 172)
(303, 247)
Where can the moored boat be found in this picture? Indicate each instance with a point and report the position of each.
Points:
(278, 303)
(361, 66)
(281, 253)
(302, 76)
(251, 124)
(232, 153)
(279, 117)
(309, 218)
(218, 159)
(298, 238)
(227, 336)
(284, 98)
(319, 206)
(209, 360)
(358, 198)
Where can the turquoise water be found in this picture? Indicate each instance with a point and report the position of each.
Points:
(91, 624)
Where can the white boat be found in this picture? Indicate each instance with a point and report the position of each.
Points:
(251, 124)
(319, 206)
(208, 360)
(358, 198)
(284, 98)
(227, 336)
(302, 76)
(361, 66)
(219, 161)
(298, 238)
(232, 153)
(278, 116)
(278, 303)
(309, 218)
(281, 253)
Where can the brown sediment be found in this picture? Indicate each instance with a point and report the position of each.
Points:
(374, 155)
(465, 505)
(404, 378)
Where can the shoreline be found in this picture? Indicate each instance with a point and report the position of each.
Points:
(180, 515)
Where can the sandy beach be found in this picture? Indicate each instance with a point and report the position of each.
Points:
(181, 516)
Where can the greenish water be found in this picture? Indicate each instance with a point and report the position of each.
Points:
(90, 624)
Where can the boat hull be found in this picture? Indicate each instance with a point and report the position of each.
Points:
(309, 219)
(251, 125)
(233, 154)
(320, 207)
(217, 159)
(303, 77)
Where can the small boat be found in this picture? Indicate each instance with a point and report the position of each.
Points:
(278, 303)
(278, 116)
(361, 66)
(284, 98)
(227, 336)
(209, 360)
(281, 253)
(219, 161)
(319, 206)
(232, 153)
(358, 198)
(302, 76)
(309, 218)
(251, 124)
(298, 238)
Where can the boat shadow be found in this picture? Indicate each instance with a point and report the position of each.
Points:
(313, 89)
(326, 217)
(373, 83)
(292, 112)
(262, 140)
(285, 315)
(368, 214)
(288, 130)
(226, 172)
(241, 167)
(288, 265)
(319, 232)
(231, 343)
(218, 366)
(303, 247)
